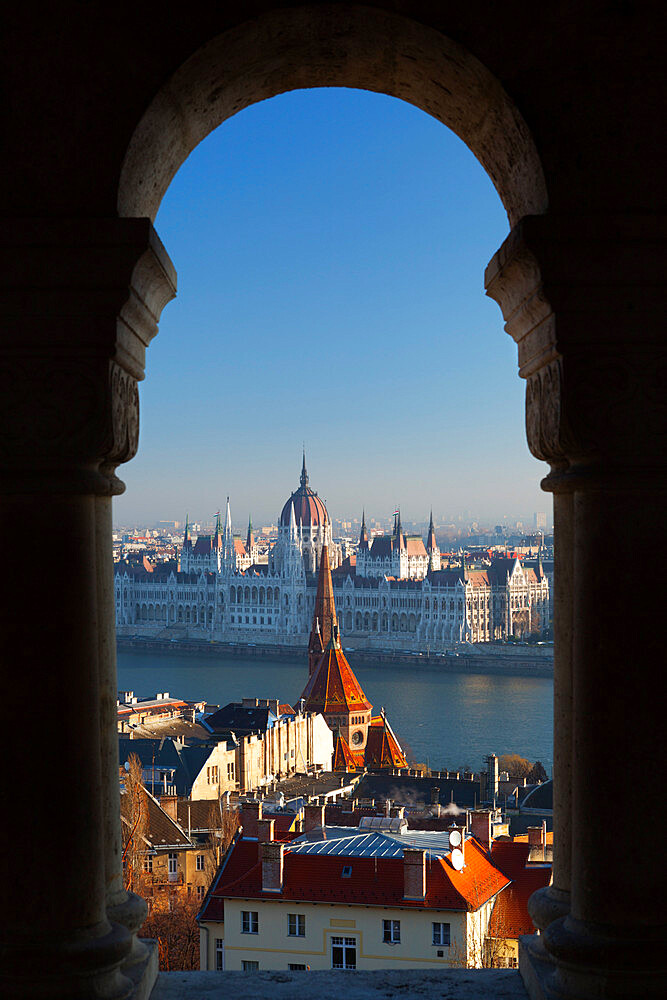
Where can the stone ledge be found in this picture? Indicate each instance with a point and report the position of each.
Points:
(449, 984)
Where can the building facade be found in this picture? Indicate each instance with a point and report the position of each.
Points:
(394, 596)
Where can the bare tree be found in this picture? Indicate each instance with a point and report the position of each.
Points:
(134, 822)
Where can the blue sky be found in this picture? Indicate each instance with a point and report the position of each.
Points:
(330, 247)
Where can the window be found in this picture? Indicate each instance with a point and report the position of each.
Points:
(249, 922)
(343, 953)
(346, 872)
(148, 863)
(391, 931)
(201, 892)
(200, 863)
(250, 966)
(295, 967)
(296, 925)
(441, 934)
(172, 865)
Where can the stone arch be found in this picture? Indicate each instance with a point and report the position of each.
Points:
(375, 50)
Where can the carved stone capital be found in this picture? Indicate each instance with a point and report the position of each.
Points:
(583, 315)
(82, 302)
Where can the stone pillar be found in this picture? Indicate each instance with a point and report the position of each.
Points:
(81, 302)
(123, 907)
(591, 346)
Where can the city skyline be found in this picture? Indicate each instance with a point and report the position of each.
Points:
(331, 246)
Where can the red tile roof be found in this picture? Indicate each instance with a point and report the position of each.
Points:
(510, 917)
(382, 750)
(332, 688)
(373, 881)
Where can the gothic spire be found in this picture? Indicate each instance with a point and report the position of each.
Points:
(324, 615)
(186, 535)
(363, 535)
(430, 540)
(304, 474)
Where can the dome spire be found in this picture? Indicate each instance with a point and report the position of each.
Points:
(304, 474)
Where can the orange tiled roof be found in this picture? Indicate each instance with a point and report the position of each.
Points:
(346, 759)
(373, 881)
(382, 750)
(332, 687)
(510, 917)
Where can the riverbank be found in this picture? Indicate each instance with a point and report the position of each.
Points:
(514, 661)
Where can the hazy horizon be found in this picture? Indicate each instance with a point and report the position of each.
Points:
(330, 246)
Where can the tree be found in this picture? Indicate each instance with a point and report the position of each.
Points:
(537, 773)
(516, 766)
(171, 922)
(134, 821)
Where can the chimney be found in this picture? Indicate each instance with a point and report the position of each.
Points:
(492, 771)
(265, 830)
(414, 873)
(481, 827)
(435, 794)
(313, 817)
(398, 812)
(537, 841)
(272, 866)
(250, 816)
(168, 803)
(387, 807)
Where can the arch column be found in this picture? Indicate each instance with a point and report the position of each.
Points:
(579, 296)
(81, 304)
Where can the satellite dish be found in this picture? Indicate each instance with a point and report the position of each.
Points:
(457, 859)
(127, 767)
(455, 838)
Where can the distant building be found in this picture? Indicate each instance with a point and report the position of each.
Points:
(392, 594)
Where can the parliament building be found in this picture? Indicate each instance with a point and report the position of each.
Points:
(392, 595)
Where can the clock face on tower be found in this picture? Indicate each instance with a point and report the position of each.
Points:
(357, 737)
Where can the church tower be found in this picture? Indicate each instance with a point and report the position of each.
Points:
(324, 616)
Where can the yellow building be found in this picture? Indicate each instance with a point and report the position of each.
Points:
(355, 900)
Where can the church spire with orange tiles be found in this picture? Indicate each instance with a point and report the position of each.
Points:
(324, 616)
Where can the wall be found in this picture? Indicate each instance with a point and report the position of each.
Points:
(273, 949)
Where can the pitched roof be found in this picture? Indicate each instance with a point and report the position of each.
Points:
(240, 719)
(382, 749)
(332, 687)
(510, 917)
(345, 759)
(415, 546)
(372, 880)
(161, 829)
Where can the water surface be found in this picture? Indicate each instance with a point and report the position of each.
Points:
(449, 720)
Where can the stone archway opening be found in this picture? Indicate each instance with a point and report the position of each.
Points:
(362, 48)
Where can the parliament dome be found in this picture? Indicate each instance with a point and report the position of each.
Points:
(309, 510)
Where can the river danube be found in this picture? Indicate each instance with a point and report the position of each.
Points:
(448, 720)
